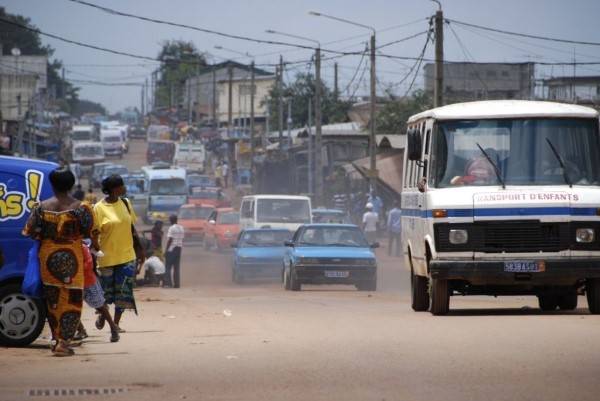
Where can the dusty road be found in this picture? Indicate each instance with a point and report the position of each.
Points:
(213, 340)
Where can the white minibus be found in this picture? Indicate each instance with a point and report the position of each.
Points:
(275, 211)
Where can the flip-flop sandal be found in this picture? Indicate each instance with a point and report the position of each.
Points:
(62, 352)
(80, 336)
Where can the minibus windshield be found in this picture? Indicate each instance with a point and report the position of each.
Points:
(525, 151)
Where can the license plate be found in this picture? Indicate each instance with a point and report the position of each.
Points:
(524, 266)
(336, 274)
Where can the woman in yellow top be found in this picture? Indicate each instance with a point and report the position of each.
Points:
(117, 263)
(61, 223)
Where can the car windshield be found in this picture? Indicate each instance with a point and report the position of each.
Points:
(187, 213)
(81, 136)
(203, 194)
(229, 218)
(134, 185)
(88, 151)
(328, 217)
(332, 236)
(266, 238)
(159, 146)
(283, 211)
(170, 186)
(198, 180)
(525, 152)
(115, 170)
(111, 139)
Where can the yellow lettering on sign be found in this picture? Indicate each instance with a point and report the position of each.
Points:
(14, 204)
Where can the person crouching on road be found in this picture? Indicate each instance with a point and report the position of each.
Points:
(369, 220)
(175, 236)
(118, 265)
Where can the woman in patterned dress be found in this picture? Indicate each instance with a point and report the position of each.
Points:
(60, 224)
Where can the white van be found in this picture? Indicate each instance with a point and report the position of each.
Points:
(87, 153)
(112, 140)
(503, 198)
(167, 191)
(275, 211)
(83, 133)
(190, 156)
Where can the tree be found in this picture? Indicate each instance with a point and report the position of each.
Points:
(30, 43)
(300, 92)
(391, 119)
(83, 106)
(180, 60)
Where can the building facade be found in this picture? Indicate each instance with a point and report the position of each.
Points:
(481, 81)
(581, 90)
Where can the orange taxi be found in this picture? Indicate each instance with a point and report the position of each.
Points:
(194, 219)
(208, 196)
(223, 229)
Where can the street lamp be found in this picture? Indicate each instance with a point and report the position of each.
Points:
(318, 119)
(373, 161)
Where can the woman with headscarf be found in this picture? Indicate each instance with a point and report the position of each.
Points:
(117, 265)
(60, 224)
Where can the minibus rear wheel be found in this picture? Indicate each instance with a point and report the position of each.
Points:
(419, 292)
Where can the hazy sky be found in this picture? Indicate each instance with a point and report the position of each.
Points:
(574, 19)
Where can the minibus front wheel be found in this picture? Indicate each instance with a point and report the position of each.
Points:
(21, 318)
(440, 296)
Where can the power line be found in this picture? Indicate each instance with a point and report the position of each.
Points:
(347, 88)
(418, 65)
(525, 35)
(467, 55)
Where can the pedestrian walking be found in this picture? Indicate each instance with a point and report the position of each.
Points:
(78, 193)
(118, 264)
(175, 236)
(93, 295)
(394, 227)
(60, 224)
(219, 175)
(369, 221)
(225, 170)
(90, 197)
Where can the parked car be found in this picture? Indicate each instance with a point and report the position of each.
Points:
(223, 229)
(209, 196)
(111, 169)
(137, 192)
(259, 253)
(199, 180)
(21, 318)
(194, 219)
(97, 173)
(330, 216)
(329, 254)
(137, 132)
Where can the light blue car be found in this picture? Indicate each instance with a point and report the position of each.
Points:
(330, 254)
(259, 253)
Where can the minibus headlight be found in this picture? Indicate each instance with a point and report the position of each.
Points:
(458, 237)
(584, 235)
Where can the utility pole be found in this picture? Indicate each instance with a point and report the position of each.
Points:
(309, 167)
(438, 90)
(63, 85)
(189, 99)
(252, 93)
(229, 98)
(142, 100)
(267, 127)
(373, 104)
(318, 138)
(336, 92)
(214, 98)
(289, 123)
(280, 101)
(148, 107)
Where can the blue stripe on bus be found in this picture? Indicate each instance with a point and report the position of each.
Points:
(511, 211)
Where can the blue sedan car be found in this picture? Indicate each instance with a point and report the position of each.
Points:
(259, 253)
(330, 254)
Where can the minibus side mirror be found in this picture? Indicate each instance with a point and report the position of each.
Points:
(415, 144)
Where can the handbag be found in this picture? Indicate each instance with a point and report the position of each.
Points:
(137, 244)
(32, 282)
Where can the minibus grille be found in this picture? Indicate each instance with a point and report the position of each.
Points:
(506, 236)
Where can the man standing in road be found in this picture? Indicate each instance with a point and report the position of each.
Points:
(370, 223)
(225, 169)
(394, 228)
(175, 236)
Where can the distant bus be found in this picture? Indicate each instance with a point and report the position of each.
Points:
(275, 211)
(167, 191)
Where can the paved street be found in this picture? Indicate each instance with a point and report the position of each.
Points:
(214, 340)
